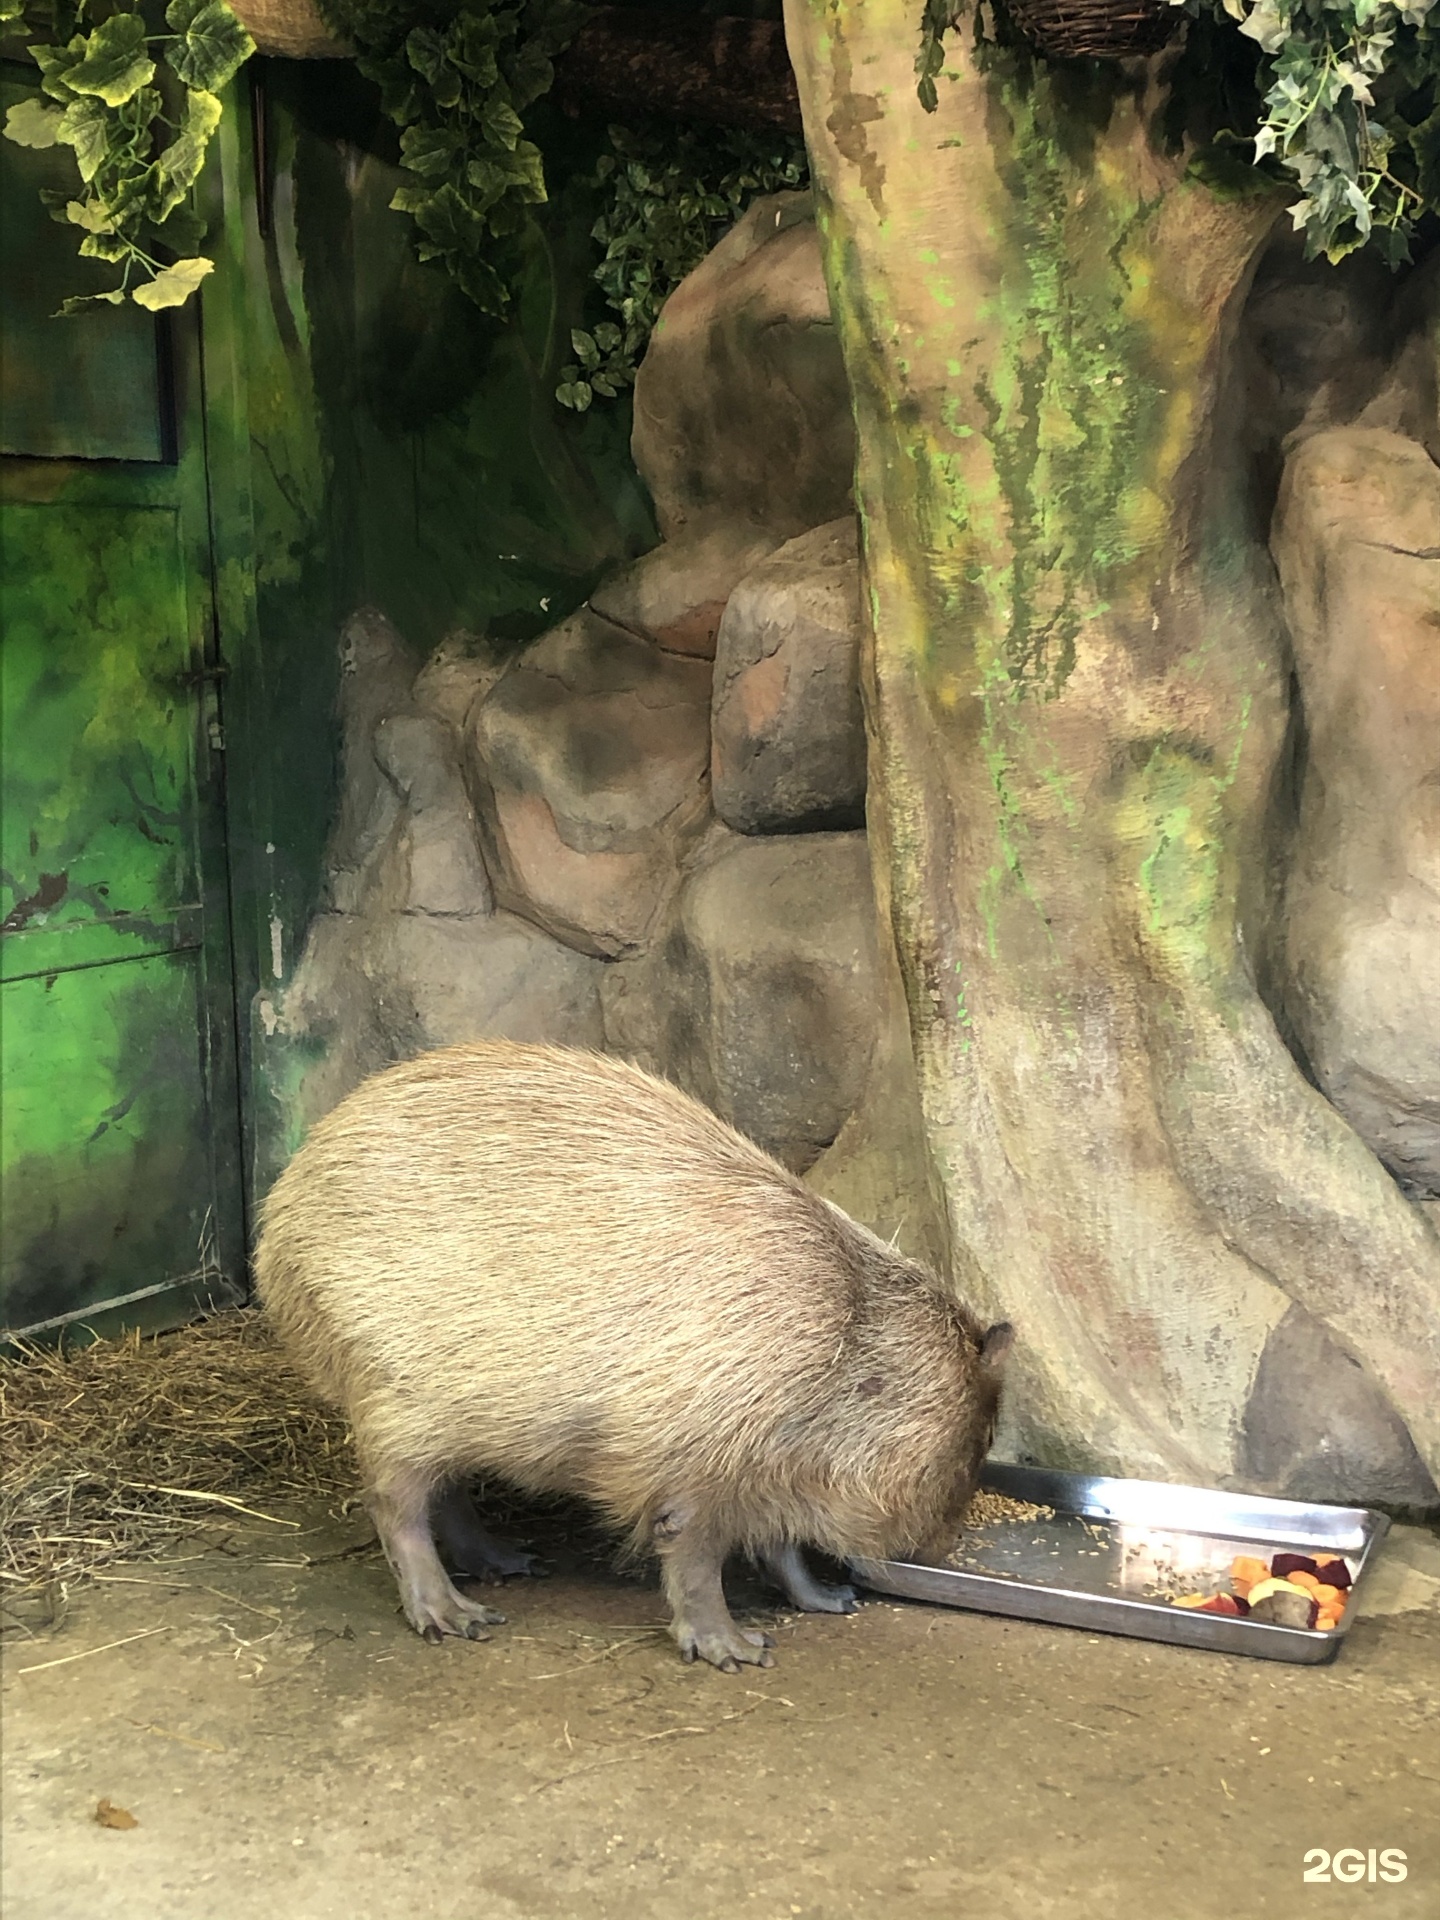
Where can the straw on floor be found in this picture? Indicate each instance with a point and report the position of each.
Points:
(116, 1451)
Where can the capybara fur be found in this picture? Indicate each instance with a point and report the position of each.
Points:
(547, 1266)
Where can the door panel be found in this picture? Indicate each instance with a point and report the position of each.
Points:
(119, 1126)
(98, 843)
(106, 1124)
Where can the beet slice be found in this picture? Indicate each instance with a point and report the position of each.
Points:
(1284, 1564)
(1334, 1573)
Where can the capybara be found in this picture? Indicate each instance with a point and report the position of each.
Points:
(548, 1266)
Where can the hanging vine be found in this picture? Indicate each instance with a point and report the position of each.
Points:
(137, 110)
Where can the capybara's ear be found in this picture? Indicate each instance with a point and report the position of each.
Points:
(995, 1344)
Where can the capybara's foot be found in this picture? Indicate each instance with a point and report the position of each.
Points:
(433, 1615)
(729, 1647)
(786, 1567)
(469, 1547)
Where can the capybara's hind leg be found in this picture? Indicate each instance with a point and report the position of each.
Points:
(692, 1561)
(400, 1507)
(786, 1567)
(466, 1544)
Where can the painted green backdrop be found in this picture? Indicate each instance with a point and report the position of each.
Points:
(365, 439)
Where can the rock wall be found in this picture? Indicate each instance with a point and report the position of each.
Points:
(645, 830)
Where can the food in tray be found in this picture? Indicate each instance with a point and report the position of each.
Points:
(1290, 1590)
(987, 1509)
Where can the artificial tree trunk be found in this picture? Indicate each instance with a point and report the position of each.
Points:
(1078, 696)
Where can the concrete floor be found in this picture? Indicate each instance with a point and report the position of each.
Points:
(291, 1751)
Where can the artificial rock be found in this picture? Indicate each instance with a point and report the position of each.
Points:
(1357, 544)
(760, 996)
(787, 730)
(590, 763)
(742, 408)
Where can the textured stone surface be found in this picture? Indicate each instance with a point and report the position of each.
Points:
(787, 730)
(676, 593)
(760, 997)
(410, 952)
(1317, 1425)
(742, 410)
(1357, 543)
(590, 763)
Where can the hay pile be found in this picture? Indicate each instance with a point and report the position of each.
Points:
(115, 1451)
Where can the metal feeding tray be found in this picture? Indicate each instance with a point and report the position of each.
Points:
(1115, 1548)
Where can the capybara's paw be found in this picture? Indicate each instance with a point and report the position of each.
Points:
(824, 1598)
(466, 1619)
(728, 1648)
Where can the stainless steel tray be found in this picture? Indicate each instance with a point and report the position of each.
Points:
(1112, 1542)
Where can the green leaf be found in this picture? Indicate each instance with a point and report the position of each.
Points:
(180, 164)
(181, 230)
(174, 285)
(89, 126)
(586, 351)
(574, 394)
(116, 64)
(55, 63)
(78, 302)
(32, 124)
(11, 10)
(89, 214)
(429, 151)
(106, 245)
(214, 45)
(501, 124)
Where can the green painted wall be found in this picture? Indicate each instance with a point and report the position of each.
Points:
(403, 452)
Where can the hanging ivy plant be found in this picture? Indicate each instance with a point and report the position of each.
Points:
(458, 80)
(1349, 111)
(668, 196)
(138, 111)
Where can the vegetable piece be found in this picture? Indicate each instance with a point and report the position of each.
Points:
(1330, 1599)
(1279, 1603)
(1245, 1570)
(1334, 1571)
(1196, 1600)
(1284, 1564)
(1225, 1603)
(1300, 1578)
(1327, 1621)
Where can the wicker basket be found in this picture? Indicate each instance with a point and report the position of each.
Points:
(1095, 29)
(291, 28)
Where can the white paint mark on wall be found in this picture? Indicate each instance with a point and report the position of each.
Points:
(277, 948)
(269, 1018)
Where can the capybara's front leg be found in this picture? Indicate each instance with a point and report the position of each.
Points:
(400, 1508)
(786, 1566)
(692, 1562)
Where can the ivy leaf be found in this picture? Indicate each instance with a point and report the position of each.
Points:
(179, 165)
(55, 63)
(173, 286)
(78, 302)
(11, 10)
(479, 282)
(574, 394)
(116, 64)
(500, 123)
(429, 151)
(90, 215)
(586, 351)
(214, 43)
(86, 126)
(105, 244)
(32, 124)
(181, 230)
(425, 50)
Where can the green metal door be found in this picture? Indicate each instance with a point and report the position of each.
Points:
(119, 1125)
